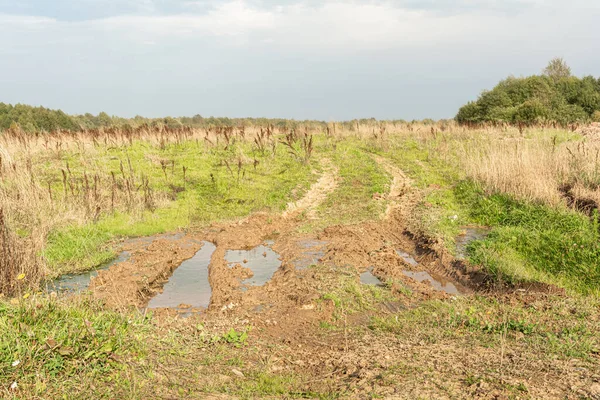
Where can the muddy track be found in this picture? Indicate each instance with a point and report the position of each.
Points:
(384, 247)
(351, 249)
(401, 194)
(135, 282)
(316, 194)
(286, 313)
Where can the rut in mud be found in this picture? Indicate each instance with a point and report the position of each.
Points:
(317, 192)
(275, 275)
(401, 194)
(152, 270)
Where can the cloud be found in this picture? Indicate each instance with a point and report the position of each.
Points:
(330, 25)
(234, 18)
(334, 25)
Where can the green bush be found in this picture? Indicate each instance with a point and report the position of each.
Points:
(539, 98)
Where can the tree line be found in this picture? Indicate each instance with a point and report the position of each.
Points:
(554, 96)
(40, 119)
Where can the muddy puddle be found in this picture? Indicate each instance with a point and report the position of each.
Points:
(188, 287)
(439, 284)
(407, 258)
(76, 283)
(261, 260)
(367, 278)
(470, 234)
(311, 252)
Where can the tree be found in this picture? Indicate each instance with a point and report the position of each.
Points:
(469, 113)
(557, 69)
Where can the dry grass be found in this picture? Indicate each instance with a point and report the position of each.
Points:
(19, 264)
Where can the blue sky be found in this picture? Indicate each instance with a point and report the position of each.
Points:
(303, 59)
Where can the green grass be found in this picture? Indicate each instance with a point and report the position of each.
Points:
(360, 177)
(52, 347)
(212, 193)
(534, 242)
(528, 242)
(566, 331)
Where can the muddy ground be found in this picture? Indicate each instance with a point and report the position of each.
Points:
(288, 313)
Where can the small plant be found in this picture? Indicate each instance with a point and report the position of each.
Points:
(236, 338)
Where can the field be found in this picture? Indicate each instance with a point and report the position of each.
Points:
(407, 260)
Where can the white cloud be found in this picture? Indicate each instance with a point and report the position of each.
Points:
(234, 18)
(9, 22)
(335, 25)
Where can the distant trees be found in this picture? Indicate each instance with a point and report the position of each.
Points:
(554, 96)
(34, 119)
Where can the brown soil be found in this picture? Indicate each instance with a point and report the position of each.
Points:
(287, 311)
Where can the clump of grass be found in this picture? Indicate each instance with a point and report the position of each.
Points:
(52, 347)
(19, 267)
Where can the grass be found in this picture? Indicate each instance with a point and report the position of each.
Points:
(567, 331)
(360, 178)
(49, 347)
(534, 242)
(213, 193)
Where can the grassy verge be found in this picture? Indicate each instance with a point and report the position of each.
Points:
(528, 241)
(48, 348)
(533, 242)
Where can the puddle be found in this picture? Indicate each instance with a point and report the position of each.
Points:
(189, 283)
(367, 278)
(310, 254)
(408, 258)
(471, 234)
(76, 283)
(261, 260)
(439, 284)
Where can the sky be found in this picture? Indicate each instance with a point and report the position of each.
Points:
(302, 59)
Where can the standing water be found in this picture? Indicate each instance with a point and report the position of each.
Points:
(77, 283)
(408, 258)
(439, 284)
(367, 278)
(261, 260)
(189, 283)
(311, 252)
